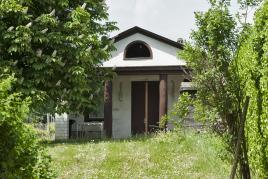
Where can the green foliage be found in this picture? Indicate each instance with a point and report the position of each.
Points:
(229, 65)
(44, 132)
(249, 3)
(187, 104)
(253, 67)
(54, 48)
(180, 110)
(21, 155)
(210, 55)
(163, 121)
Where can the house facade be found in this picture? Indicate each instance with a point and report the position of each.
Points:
(149, 76)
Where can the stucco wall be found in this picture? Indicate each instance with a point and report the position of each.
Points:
(163, 54)
(174, 84)
(122, 100)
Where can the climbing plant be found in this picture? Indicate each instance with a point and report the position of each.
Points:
(253, 67)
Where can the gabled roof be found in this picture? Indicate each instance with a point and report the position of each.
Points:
(137, 29)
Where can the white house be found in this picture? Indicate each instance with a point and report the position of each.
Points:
(149, 75)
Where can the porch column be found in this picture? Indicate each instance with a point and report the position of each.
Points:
(162, 95)
(108, 114)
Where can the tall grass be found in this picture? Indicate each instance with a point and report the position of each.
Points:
(164, 155)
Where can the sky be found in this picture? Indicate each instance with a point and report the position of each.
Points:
(170, 18)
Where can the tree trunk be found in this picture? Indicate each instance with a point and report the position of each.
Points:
(244, 163)
(240, 152)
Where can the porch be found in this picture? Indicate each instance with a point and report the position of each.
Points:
(137, 98)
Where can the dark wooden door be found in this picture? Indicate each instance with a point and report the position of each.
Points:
(153, 104)
(138, 105)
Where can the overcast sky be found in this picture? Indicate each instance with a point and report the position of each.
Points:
(170, 18)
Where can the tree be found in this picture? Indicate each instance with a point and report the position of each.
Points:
(55, 48)
(213, 60)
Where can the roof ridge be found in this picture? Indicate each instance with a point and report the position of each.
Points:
(137, 29)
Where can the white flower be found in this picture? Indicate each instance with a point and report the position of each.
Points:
(52, 13)
(39, 52)
(54, 53)
(44, 31)
(84, 6)
(10, 28)
(29, 24)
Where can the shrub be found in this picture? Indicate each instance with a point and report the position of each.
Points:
(21, 154)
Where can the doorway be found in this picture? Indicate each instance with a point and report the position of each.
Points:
(144, 106)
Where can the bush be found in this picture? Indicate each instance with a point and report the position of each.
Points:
(21, 154)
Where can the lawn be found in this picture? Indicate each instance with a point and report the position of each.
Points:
(165, 155)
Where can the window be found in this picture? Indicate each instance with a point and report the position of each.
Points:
(138, 49)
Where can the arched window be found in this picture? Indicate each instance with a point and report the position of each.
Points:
(138, 49)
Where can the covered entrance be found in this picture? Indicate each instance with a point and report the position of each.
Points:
(144, 106)
(146, 84)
